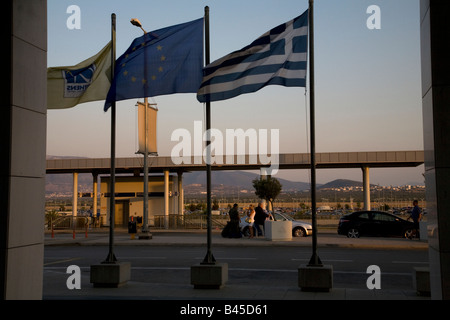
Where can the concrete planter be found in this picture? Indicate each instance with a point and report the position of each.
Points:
(278, 230)
(423, 229)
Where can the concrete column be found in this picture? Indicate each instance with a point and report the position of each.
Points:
(263, 173)
(180, 194)
(23, 121)
(435, 32)
(95, 191)
(75, 194)
(366, 188)
(166, 199)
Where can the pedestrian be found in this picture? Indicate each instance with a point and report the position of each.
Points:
(261, 216)
(232, 229)
(250, 220)
(416, 216)
(97, 222)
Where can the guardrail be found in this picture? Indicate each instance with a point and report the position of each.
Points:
(68, 223)
(176, 221)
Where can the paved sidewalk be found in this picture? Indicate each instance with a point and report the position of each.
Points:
(326, 238)
(134, 290)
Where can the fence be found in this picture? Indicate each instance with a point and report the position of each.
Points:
(68, 222)
(176, 221)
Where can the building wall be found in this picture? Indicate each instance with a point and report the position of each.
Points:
(23, 120)
(127, 193)
(435, 46)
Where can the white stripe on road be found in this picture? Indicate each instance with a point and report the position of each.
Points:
(220, 258)
(331, 260)
(242, 269)
(411, 262)
(151, 258)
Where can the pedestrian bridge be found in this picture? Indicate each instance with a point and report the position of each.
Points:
(325, 160)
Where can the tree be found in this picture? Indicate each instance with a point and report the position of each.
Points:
(215, 205)
(267, 189)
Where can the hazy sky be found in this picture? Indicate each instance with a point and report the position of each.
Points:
(368, 82)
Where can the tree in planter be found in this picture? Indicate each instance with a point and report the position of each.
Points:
(267, 189)
(215, 205)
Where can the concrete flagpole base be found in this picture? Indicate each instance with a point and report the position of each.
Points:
(315, 278)
(110, 275)
(209, 276)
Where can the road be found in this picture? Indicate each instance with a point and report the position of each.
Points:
(268, 266)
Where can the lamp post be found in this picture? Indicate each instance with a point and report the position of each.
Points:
(145, 232)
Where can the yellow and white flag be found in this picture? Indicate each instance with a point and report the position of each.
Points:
(89, 80)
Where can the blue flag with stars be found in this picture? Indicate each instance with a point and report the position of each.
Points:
(161, 62)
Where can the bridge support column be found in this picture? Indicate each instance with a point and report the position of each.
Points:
(180, 194)
(95, 191)
(75, 194)
(366, 188)
(263, 173)
(166, 199)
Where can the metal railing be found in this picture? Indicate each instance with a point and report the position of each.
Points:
(68, 222)
(176, 221)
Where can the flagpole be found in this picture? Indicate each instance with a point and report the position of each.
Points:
(209, 258)
(112, 199)
(315, 260)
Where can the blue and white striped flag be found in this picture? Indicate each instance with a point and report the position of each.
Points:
(278, 57)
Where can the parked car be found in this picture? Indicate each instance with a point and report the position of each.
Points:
(374, 223)
(299, 228)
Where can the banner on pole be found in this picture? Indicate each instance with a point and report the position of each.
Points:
(151, 129)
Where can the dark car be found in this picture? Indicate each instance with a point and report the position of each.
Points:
(374, 223)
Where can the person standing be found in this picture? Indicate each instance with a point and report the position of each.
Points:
(416, 216)
(235, 232)
(260, 217)
(250, 220)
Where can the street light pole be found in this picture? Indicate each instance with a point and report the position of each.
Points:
(145, 232)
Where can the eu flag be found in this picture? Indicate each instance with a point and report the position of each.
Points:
(165, 61)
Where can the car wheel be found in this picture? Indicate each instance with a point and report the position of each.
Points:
(408, 234)
(353, 233)
(299, 232)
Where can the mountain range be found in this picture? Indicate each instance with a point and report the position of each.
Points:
(242, 179)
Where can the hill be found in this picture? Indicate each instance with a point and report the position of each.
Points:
(240, 179)
(340, 183)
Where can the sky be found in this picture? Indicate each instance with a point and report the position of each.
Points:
(367, 81)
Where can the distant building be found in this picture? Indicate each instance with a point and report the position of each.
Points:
(129, 199)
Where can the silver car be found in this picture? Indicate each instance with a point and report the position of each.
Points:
(299, 228)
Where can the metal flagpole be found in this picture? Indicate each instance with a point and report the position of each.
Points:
(209, 258)
(112, 200)
(315, 260)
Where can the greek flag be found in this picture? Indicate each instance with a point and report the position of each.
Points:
(278, 57)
